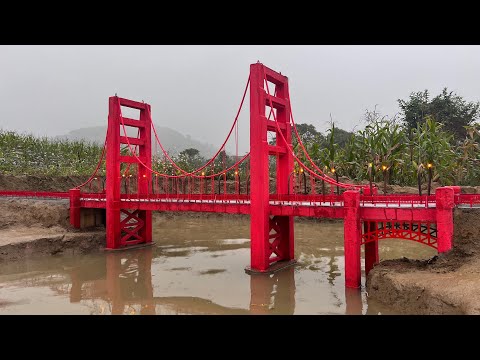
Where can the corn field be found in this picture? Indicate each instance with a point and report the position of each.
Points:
(384, 151)
(23, 154)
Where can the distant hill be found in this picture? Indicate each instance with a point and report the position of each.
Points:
(173, 141)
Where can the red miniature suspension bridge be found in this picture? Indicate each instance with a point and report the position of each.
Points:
(368, 217)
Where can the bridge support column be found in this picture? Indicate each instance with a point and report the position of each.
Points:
(127, 227)
(112, 226)
(352, 238)
(272, 246)
(371, 248)
(445, 204)
(75, 208)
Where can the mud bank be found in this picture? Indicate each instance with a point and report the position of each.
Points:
(445, 284)
(30, 228)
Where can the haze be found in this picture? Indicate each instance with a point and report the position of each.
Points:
(50, 90)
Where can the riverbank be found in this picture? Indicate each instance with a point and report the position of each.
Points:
(445, 284)
(30, 228)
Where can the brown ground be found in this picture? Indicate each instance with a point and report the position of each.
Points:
(38, 227)
(446, 284)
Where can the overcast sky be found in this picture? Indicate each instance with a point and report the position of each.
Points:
(50, 90)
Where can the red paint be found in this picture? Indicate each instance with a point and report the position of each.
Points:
(113, 175)
(36, 194)
(445, 205)
(352, 235)
(75, 208)
(371, 248)
(279, 246)
(418, 231)
(138, 228)
(259, 177)
(283, 157)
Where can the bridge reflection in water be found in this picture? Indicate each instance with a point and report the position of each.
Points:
(125, 284)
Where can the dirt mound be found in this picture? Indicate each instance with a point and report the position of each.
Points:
(41, 213)
(445, 284)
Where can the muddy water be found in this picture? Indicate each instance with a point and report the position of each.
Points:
(196, 267)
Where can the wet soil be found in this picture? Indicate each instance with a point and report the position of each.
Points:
(444, 284)
(30, 228)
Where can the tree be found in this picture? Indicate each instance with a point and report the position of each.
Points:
(190, 152)
(447, 108)
(415, 108)
(308, 133)
(454, 112)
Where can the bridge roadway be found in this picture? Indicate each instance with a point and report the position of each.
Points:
(328, 206)
(378, 207)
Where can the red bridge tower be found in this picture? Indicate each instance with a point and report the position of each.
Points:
(126, 227)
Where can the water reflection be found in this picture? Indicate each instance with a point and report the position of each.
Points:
(353, 302)
(273, 294)
(125, 282)
(195, 267)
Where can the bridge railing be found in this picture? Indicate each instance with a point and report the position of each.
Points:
(35, 194)
(366, 200)
(467, 199)
(398, 200)
(311, 199)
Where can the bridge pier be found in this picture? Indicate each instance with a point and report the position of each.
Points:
(75, 208)
(371, 248)
(352, 238)
(445, 203)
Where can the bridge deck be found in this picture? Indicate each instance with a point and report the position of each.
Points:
(335, 210)
(380, 207)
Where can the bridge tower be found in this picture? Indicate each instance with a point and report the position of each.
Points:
(272, 238)
(127, 227)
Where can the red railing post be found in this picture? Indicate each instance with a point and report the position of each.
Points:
(352, 237)
(444, 209)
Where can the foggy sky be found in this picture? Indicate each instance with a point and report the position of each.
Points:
(50, 90)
